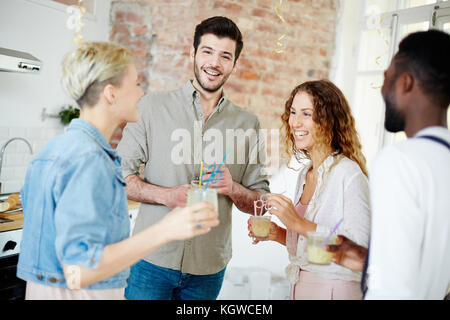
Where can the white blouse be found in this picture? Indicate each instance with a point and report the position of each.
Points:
(342, 191)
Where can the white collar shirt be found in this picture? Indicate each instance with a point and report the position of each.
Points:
(410, 239)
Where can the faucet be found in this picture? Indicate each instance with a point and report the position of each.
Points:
(2, 152)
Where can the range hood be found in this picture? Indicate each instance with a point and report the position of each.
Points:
(17, 61)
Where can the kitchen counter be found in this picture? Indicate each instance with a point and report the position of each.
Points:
(14, 220)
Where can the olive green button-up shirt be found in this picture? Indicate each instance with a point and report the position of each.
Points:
(172, 138)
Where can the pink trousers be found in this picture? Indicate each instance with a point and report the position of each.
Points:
(310, 286)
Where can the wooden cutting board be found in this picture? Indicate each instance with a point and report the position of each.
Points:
(11, 224)
(133, 205)
(12, 215)
(17, 217)
(14, 219)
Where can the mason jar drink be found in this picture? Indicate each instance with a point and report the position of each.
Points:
(260, 226)
(199, 193)
(316, 252)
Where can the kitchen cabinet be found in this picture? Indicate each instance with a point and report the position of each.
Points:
(11, 287)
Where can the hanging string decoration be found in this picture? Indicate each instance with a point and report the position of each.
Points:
(75, 22)
(281, 45)
(375, 21)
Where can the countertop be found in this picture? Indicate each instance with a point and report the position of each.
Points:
(14, 220)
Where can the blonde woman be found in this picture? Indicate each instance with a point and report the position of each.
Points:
(75, 239)
(332, 185)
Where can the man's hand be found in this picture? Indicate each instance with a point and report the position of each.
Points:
(348, 254)
(224, 185)
(176, 196)
(242, 197)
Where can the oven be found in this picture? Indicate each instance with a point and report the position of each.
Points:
(11, 287)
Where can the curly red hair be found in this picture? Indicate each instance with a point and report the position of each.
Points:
(335, 125)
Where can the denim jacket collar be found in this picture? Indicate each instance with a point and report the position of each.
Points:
(94, 133)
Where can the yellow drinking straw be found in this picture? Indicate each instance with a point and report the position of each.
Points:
(201, 174)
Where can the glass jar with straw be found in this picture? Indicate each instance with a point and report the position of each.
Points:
(260, 223)
(199, 192)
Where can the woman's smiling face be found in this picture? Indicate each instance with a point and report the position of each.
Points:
(301, 124)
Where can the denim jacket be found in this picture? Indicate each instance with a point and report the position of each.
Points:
(74, 204)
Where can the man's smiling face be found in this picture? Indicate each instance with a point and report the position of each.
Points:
(213, 61)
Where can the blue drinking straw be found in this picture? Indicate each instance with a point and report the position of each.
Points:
(331, 233)
(215, 171)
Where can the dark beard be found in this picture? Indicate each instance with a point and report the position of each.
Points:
(394, 121)
(199, 81)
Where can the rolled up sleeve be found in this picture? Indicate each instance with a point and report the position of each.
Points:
(133, 148)
(356, 210)
(356, 225)
(83, 210)
(255, 174)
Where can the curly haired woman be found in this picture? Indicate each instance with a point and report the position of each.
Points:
(332, 186)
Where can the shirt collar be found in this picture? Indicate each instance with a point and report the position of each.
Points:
(192, 94)
(324, 166)
(94, 133)
(433, 130)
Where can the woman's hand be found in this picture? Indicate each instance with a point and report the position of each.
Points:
(276, 233)
(191, 221)
(282, 207)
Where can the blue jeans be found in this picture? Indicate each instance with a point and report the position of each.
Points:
(151, 282)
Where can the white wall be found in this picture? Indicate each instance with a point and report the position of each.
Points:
(39, 28)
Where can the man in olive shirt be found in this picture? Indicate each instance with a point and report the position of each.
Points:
(176, 132)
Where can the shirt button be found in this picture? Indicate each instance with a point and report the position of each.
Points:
(40, 277)
(53, 280)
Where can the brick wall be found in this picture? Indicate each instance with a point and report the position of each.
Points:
(160, 34)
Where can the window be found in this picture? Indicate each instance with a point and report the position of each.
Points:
(385, 24)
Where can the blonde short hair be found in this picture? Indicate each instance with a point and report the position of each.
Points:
(89, 68)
